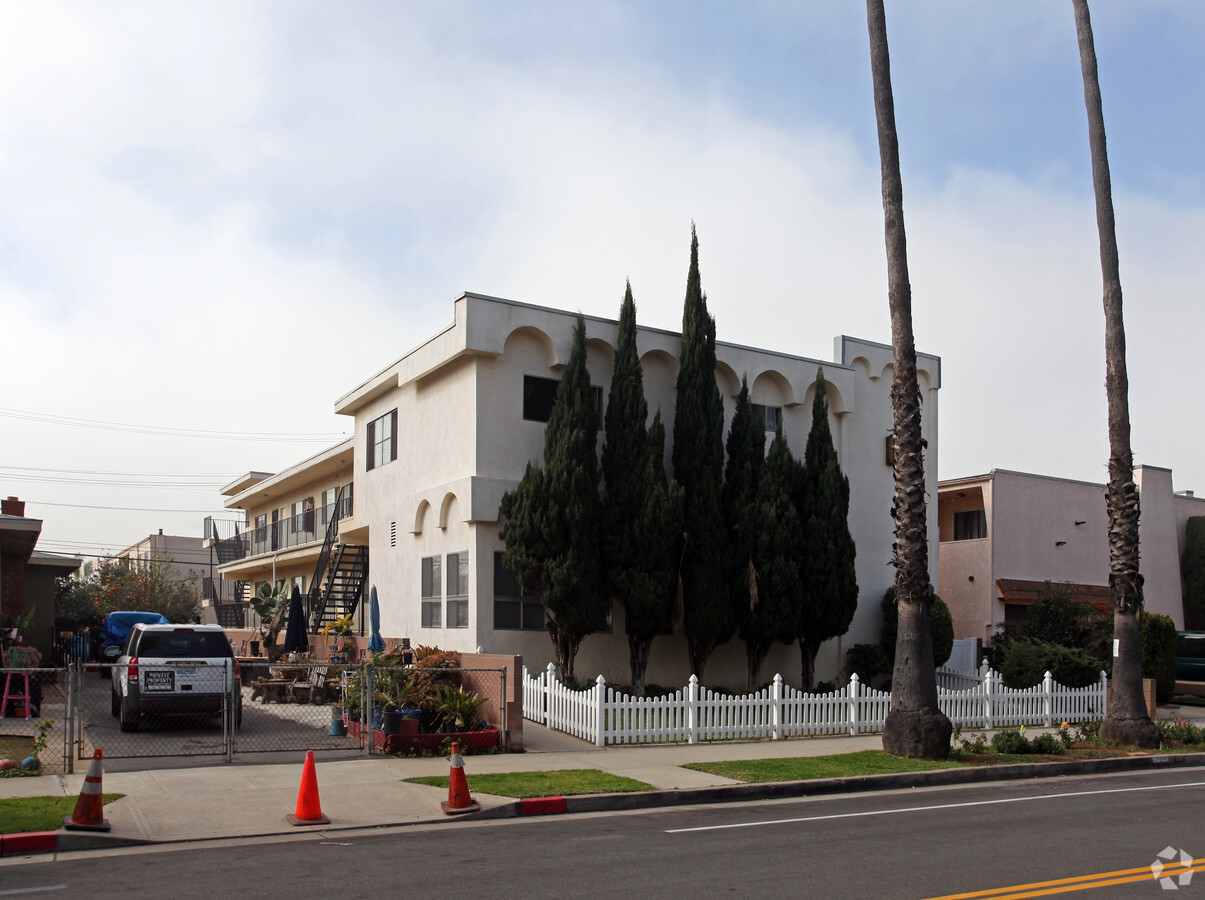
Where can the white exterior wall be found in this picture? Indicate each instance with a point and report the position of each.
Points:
(462, 442)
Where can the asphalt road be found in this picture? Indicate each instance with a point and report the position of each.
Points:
(1006, 840)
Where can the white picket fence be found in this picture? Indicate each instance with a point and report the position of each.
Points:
(604, 715)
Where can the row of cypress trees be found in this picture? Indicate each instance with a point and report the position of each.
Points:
(738, 542)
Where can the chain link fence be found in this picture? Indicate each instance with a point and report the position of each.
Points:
(283, 706)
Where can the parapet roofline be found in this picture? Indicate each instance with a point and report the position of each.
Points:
(388, 377)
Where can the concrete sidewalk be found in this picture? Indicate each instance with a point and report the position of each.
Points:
(249, 799)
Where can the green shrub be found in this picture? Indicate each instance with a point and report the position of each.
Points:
(1026, 662)
(941, 629)
(1011, 742)
(1049, 744)
(1158, 641)
(868, 660)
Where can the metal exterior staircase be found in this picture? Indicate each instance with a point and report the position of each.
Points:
(342, 585)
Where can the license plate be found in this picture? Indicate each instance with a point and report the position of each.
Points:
(186, 670)
(159, 680)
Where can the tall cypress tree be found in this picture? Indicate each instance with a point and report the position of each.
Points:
(830, 581)
(698, 457)
(771, 540)
(641, 510)
(553, 529)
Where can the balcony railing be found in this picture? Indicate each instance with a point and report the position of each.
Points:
(295, 531)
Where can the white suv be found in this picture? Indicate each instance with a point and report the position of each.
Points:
(175, 670)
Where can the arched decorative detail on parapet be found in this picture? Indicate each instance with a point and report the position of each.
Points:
(863, 367)
(599, 348)
(888, 372)
(446, 508)
(728, 381)
(772, 389)
(924, 381)
(420, 516)
(832, 393)
(530, 336)
(660, 361)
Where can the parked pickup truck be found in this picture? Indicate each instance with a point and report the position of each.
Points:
(175, 670)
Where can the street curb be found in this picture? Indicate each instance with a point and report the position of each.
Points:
(830, 786)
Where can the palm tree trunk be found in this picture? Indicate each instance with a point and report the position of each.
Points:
(1127, 721)
(915, 726)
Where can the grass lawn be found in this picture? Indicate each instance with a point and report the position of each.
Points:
(20, 814)
(558, 783)
(803, 768)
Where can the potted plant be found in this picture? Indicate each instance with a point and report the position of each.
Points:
(338, 635)
(456, 708)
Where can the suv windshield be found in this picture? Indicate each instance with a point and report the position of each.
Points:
(184, 645)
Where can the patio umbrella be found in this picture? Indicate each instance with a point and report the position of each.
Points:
(295, 637)
(375, 642)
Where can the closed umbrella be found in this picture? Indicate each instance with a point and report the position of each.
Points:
(375, 642)
(295, 637)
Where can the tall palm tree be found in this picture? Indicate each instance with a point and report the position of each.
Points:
(1127, 721)
(915, 726)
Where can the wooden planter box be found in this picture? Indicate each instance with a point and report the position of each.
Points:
(480, 741)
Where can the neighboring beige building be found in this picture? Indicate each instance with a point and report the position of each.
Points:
(442, 433)
(28, 575)
(1004, 534)
(187, 558)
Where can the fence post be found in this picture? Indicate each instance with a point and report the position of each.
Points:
(853, 703)
(600, 691)
(1103, 684)
(1048, 698)
(776, 708)
(549, 680)
(987, 697)
(692, 710)
(72, 702)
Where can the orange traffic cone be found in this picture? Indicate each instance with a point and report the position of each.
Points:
(458, 800)
(309, 809)
(89, 812)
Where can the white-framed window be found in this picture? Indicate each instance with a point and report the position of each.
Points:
(382, 440)
(514, 608)
(327, 509)
(769, 416)
(458, 590)
(432, 595)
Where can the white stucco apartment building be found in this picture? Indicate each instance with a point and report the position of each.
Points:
(443, 432)
(1004, 534)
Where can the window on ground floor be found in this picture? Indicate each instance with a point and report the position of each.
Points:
(432, 595)
(514, 608)
(458, 590)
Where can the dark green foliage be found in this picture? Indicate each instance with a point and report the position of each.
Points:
(553, 529)
(642, 512)
(1193, 568)
(1026, 662)
(1158, 638)
(830, 583)
(698, 458)
(1061, 616)
(1010, 742)
(869, 661)
(1049, 744)
(941, 628)
(746, 451)
(771, 544)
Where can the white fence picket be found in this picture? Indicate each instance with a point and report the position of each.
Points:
(604, 715)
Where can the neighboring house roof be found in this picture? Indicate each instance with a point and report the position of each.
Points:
(1020, 590)
(60, 561)
(19, 535)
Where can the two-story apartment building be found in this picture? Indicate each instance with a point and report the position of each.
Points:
(443, 432)
(1004, 534)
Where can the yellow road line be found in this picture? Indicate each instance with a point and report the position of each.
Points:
(1078, 883)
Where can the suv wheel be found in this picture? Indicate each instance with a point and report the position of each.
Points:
(129, 718)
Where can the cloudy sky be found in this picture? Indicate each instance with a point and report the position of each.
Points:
(215, 218)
